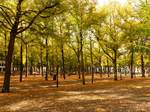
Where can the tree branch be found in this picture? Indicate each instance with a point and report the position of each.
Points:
(33, 19)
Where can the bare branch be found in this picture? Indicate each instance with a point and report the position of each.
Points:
(6, 16)
(3, 24)
(2, 6)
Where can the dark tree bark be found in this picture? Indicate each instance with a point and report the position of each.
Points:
(57, 78)
(91, 55)
(57, 70)
(131, 63)
(142, 65)
(79, 68)
(8, 60)
(14, 66)
(13, 33)
(31, 67)
(63, 61)
(21, 64)
(26, 60)
(78, 57)
(82, 60)
(46, 75)
(41, 61)
(5, 44)
(100, 65)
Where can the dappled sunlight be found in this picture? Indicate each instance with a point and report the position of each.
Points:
(102, 96)
(22, 104)
(147, 86)
(143, 98)
(74, 56)
(138, 87)
(148, 94)
(100, 110)
(124, 89)
(92, 95)
(84, 92)
(80, 97)
(56, 85)
(44, 86)
(28, 104)
(117, 96)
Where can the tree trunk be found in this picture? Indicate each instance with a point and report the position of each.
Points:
(120, 72)
(31, 67)
(21, 65)
(115, 65)
(82, 68)
(8, 60)
(82, 60)
(108, 68)
(57, 78)
(91, 55)
(142, 65)
(100, 65)
(41, 59)
(63, 61)
(14, 65)
(46, 75)
(131, 64)
(79, 65)
(5, 44)
(26, 60)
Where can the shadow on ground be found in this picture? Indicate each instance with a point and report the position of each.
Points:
(103, 96)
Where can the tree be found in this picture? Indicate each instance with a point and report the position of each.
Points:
(145, 31)
(77, 12)
(14, 25)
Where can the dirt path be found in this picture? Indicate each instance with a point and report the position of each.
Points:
(36, 95)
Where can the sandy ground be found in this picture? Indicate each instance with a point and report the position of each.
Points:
(105, 95)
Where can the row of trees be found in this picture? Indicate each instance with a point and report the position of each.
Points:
(74, 35)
